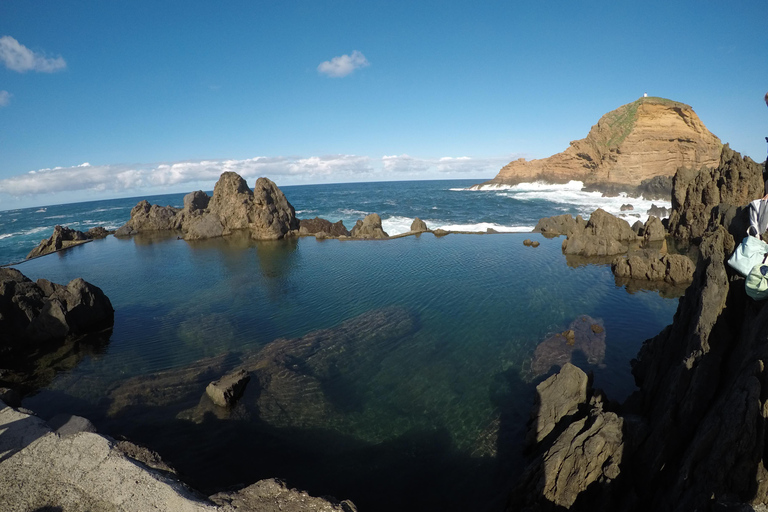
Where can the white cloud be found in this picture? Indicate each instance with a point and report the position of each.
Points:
(447, 164)
(343, 65)
(118, 178)
(18, 57)
(5, 98)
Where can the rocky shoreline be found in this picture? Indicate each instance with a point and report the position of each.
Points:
(692, 436)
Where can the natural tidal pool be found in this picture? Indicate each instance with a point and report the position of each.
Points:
(396, 373)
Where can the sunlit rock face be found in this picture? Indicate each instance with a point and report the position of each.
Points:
(635, 143)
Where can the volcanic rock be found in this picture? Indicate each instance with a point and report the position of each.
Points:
(45, 311)
(317, 225)
(658, 211)
(369, 228)
(419, 226)
(264, 211)
(78, 470)
(653, 230)
(698, 191)
(588, 445)
(637, 142)
(557, 397)
(559, 225)
(604, 235)
(228, 389)
(196, 201)
(304, 382)
(64, 238)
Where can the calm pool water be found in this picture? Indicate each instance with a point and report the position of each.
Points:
(432, 418)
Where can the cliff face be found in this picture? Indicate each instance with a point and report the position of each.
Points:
(636, 142)
(695, 434)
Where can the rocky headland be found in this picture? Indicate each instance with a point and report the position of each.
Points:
(694, 436)
(636, 148)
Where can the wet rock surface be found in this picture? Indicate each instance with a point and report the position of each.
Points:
(695, 431)
(369, 228)
(584, 338)
(264, 212)
(326, 227)
(47, 327)
(64, 238)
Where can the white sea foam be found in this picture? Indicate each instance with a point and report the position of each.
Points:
(571, 196)
(56, 217)
(97, 210)
(8, 235)
(351, 213)
(396, 225)
(302, 212)
(482, 226)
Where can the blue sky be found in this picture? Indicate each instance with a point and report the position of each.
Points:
(106, 99)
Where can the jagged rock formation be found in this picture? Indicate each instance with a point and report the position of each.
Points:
(628, 148)
(43, 311)
(586, 445)
(64, 238)
(669, 268)
(585, 335)
(559, 225)
(696, 428)
(327, 229)
(732, 180)
(418, 226)
(369, 228)
(603, 235)
(75, 469)
(264, 211)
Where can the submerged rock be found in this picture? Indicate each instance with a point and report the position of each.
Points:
(227, 390)
(580, 338)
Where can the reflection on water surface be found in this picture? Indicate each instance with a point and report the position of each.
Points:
(391, 373)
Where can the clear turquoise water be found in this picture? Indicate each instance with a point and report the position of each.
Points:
(438, 421)
(483, 303)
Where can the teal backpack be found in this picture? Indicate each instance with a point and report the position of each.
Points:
(757, 281)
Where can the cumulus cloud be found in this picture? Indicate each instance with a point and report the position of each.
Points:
(119, 178)
(343, 65)
(447, 164)
(5, 98)
(18, 57)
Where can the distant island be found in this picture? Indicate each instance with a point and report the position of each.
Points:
(636, 148)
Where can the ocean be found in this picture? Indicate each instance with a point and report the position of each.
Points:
(431, 412)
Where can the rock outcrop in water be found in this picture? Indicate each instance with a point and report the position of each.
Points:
(42, 311)
(369, 228)
(322, 228)
(264, 211)
(634, 146)
(47, 327)
(695, 433)
(64, 238)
